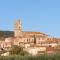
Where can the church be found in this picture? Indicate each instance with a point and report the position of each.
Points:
(28, 36)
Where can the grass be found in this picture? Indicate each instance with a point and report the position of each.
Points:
(29, 57)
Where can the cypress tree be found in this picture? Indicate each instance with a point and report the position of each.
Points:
(34, 39)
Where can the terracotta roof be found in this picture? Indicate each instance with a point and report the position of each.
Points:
(29, 32)
(49, 48)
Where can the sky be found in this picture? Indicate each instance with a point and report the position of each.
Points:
(37, 15)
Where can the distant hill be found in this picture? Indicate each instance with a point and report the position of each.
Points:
(5, 34)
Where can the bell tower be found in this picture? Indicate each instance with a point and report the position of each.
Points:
(18, 28)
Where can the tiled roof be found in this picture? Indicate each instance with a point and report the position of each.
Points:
(49, 48)
(34, 33)
(29, 32)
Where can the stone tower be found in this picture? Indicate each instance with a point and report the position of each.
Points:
(18, 28)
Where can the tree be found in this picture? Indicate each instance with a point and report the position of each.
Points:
(34, 39)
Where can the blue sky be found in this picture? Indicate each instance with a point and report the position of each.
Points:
(37, 15)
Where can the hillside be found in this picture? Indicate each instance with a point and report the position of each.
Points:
(4, 34)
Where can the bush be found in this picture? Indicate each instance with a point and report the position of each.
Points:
(17, 50)
(28, 57)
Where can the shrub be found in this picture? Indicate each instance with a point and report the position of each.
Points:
(28, 57)
(17, 50)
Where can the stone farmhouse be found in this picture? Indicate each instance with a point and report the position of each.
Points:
(32, 42)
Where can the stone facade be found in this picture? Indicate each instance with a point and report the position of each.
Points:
(18, 28)
(26, 36)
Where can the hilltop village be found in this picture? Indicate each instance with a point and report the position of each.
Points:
(32, 42)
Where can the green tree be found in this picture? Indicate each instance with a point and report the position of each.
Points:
(34, 39)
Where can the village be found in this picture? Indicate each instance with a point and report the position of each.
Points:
(32, 42)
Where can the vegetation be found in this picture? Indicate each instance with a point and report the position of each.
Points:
(34, 39)
(29, 57)
(17, 50)
(17, 53)
(4, 34)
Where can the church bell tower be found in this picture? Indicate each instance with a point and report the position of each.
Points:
(18, 28)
